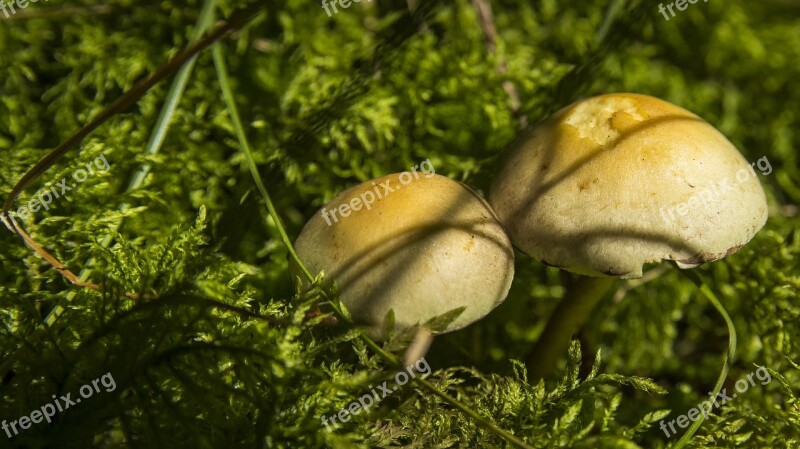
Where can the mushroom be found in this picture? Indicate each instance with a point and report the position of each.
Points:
(420, 247)
(613, 182)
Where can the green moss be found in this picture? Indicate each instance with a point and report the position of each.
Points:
(222, 352)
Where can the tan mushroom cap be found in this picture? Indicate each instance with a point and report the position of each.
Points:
(612, 182)
(429, 246)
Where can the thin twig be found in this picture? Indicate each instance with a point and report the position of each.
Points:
(130, 98)
(122, 103)
(228, 96)
(12, 225)
(486, 20)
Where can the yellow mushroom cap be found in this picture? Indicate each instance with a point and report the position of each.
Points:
(612, 182)
(429, 246)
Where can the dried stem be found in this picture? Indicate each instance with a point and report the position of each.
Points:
(122, 103)
(486, 19)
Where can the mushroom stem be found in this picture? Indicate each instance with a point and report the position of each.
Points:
(581, 297)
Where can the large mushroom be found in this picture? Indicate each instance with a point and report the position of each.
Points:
(613, 182)
(420, 247)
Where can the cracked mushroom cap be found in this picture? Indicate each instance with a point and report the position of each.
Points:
(612, 182)
(421, 249)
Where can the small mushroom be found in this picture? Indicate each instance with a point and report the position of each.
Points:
(420, 247)
(613, 182)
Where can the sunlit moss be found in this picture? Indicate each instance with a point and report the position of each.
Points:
(223, 353)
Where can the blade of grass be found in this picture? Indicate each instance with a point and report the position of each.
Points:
(608, 20)
(204, 22)
(130, 97)
(227, 93)
(237, 20)
(157, 137)
(732, 340)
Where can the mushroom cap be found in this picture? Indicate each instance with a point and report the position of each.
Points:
(612, 182)
(430, 246)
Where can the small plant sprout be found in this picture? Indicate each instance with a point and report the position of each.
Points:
(422, 250)
(613, 182)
